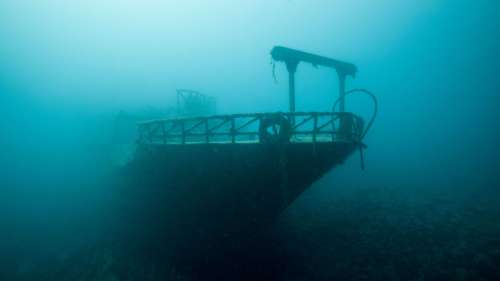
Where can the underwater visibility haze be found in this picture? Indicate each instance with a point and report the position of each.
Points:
(88, 191)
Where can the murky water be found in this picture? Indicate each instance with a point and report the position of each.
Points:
(425, 208)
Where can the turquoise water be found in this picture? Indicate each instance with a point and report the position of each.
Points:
(425, 208)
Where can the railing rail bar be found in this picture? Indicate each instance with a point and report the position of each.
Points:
(304, 121)
(196, 125)
(222, 123)
(185, 130)
(247, 123)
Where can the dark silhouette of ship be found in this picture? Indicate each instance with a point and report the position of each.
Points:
(215, 179)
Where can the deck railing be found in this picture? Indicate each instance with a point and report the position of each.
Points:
(254, 128)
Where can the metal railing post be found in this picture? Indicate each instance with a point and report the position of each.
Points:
(315, 126)
(233, 130)
(183, 138)
(150, 134)
(207, 132)
(164, 134)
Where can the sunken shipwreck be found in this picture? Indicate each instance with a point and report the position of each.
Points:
(201, 184)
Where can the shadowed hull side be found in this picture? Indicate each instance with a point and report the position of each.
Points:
(192, 198)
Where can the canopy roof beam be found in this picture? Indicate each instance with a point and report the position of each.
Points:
(293, 57)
